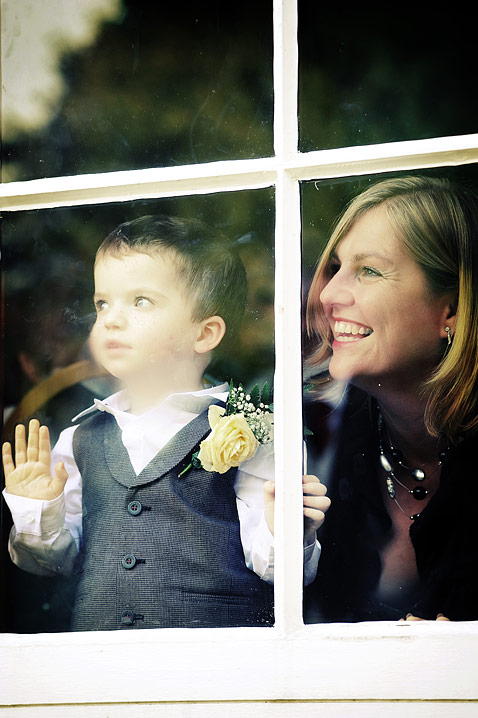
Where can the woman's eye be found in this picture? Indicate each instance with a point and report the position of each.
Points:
(334, 267)
(142, 302)
(369, 272)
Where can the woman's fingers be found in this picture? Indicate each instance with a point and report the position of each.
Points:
(411, 617)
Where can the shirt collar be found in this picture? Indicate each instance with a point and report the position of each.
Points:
(194, 402)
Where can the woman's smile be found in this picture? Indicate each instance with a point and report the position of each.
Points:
(346, 331)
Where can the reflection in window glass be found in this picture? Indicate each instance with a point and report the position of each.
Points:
(387, 309)
(49, 312)
(367, 78)
(107, 85)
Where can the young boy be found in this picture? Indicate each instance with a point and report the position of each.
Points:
(156, 544)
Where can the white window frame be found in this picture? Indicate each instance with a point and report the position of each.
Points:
(351, 669)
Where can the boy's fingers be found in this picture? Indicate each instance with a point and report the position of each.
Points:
(310, 478)
(60, 472)
(316, 489)
(32, 445)
(312, 485)
(44, 447)
(270, 488)
(20, 446)
(8, 465)
(321, 503)
(314, 514)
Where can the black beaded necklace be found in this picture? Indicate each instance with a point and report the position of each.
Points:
(418, 492)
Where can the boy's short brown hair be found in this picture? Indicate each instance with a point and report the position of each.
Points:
(208, 265)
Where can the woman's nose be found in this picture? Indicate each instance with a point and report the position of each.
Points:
(337, 291)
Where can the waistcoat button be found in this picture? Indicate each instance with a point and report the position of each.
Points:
(134, 508)
(128, 561)
(127, 618)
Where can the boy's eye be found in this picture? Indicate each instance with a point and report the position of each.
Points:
(100, 304)
(142, 302)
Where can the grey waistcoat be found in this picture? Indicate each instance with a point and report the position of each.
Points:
(158, 550)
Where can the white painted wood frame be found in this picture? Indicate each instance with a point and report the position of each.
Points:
(368, 669)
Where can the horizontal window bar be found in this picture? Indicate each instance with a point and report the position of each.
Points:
(236, 174)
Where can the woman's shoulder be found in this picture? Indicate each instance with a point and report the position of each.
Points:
(348, 423)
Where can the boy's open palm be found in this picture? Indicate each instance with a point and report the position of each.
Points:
(30, 474)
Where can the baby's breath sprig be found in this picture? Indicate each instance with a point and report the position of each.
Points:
(256, 405)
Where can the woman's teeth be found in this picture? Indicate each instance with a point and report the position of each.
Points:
(347, 328)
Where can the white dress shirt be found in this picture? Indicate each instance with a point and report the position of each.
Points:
(46, 535)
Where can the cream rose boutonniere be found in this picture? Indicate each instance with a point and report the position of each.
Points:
(230, 442)
(237, 430)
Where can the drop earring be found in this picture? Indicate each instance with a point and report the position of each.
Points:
(448, 332)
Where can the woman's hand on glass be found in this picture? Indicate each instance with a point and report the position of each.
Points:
(411, 617)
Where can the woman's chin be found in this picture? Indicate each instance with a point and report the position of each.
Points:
(340, 370)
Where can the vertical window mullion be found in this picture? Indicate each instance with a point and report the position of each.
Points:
(287, 399)
(286, 61)
(288, 409)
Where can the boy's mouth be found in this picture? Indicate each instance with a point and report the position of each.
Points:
(116, 345)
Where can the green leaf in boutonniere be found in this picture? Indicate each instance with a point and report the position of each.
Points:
(194, 463)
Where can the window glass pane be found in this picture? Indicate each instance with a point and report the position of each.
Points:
(383, 558)
(107, 85)
(367, 77)
(48, 313)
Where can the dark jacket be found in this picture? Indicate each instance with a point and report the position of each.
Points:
(445, 536)
(160, 550)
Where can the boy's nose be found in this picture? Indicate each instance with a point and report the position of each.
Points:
(114, 318)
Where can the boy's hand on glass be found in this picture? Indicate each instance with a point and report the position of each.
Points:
(269, 503)
(30, 474)
(316, 504)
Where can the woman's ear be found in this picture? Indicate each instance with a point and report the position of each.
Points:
(449, 320)
(211, 332)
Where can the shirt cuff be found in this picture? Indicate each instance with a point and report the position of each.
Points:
(263, 552)
(311, 561)
(35, 516)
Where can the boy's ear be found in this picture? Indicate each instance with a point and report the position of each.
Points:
(211, 333)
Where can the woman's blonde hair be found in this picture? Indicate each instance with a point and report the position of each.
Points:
(437, 224)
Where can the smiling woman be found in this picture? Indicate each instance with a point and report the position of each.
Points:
(368, 300)
(392, 313)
